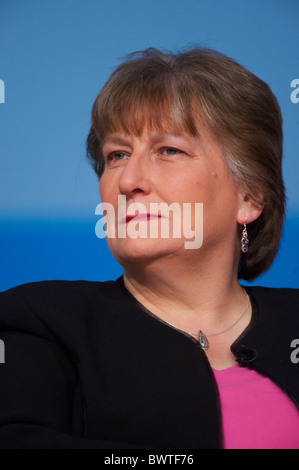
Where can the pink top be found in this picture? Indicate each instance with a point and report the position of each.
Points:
(256, 413)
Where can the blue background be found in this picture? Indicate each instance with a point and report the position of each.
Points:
(55, 55)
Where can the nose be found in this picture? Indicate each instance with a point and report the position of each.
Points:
(136, 175)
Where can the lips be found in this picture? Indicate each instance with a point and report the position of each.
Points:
(142, 217)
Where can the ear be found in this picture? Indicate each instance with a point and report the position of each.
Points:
(249, 209)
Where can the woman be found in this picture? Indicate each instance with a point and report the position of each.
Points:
(175, 353)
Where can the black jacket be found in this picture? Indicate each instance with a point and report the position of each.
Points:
(86, 367)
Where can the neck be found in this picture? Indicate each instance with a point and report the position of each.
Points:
(201, 295)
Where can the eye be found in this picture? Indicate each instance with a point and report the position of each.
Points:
(115, 157)
(170, 151)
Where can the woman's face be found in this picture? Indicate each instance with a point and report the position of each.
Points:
(170, 170)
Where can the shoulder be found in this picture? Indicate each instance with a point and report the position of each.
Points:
(277, 296)
(59, 291)
(276, 302)
(54, 301)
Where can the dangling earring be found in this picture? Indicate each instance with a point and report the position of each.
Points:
(244, 240)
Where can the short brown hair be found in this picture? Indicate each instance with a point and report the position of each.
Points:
(153, 89)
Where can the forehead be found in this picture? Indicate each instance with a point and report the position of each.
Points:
(149, 137)
(148, 134)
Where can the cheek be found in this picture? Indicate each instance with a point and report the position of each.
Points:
(203, 188)
(216, 188)
(102, 188)
(183, 187)
(106, 189)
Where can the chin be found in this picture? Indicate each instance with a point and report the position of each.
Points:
(143, 249)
